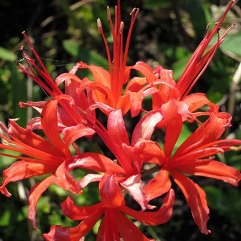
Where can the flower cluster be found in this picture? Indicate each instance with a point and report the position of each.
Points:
(98, 107)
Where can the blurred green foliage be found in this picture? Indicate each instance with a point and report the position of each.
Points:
(167, 32)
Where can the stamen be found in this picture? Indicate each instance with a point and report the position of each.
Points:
(134, 13)
(198, 63)
(110, 20)
(108, 14)
(121, 27)
(99, 25)
(34, 52)
(42, 71)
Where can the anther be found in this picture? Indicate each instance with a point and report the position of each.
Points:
(121, 27)
(99, 25)
(108, 13)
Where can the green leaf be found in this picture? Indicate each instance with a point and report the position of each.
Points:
(6, 54)
(226, 202)
(180, 65)
(183, 136)
(18, 92)
(80, 54)
(71, 47)
(232, 45)
(5, 218)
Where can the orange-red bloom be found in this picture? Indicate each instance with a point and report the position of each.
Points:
(38, 156)
(70, 115)
(194, 157)
(114, 224)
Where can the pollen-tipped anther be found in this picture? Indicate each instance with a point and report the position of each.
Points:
(99, 25)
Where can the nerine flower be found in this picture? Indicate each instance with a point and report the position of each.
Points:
(70, 115)
(113, 89)
(195, 156)
(37, 156)
(114, 224)
(168, 89)
(115, 177)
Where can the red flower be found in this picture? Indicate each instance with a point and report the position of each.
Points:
(113, 89)
(168, 89)
(194, 157)
(114, 223)
(127, 170)
(72, 114)
(108, 87)
(39, 156)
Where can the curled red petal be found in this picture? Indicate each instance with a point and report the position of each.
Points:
(49, 115)
(196, 199)
(128, 231)
(73, 133)
(198, 100)
(110, 192)
(158, 185)
(65, 180)
(74, 212)
(100, 75)
(21, 170)
(136, 99)
(133, 185)
(146, 126)
(136, 84)
(211, 168)
(116, 128)
(173, 125)
(211, 130)
(67, 77)
(89, 178)
(28, 139)
(60, 178)
(146, 70)
(154, 217)
(59, 233)
(144, 152)
(108, 230)
(34, 196)
(96, 162)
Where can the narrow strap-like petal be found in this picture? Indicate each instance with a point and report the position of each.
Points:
(75, 212)
(34, 196)
(158, 185)
(211, 168)
(209, 131)
(133, 185)
(108, 230)
(59, 233)
(110, 192)
(96, 162)
(128, 231)
(196, 199)
(160, 216)
(146, 126)
(116, 128)
(173, 125)
(49, 115)
(73, 133)
(21, 170)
